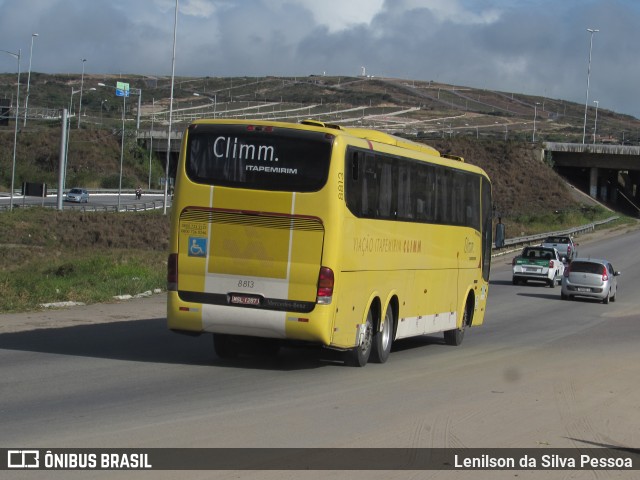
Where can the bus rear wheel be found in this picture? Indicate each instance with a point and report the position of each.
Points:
(382, 339)
(359, 356)
(454, 337)
(226, 346)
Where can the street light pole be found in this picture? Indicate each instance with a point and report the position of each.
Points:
(122, 89)
(173, 76)
(26, 101)
(81, 85)
(15, 131)
(586, 103)
(124, 106)
(595, 124)
(535, 114)
(153, 117)
(66, 155)
(101, 104)
(139, 107)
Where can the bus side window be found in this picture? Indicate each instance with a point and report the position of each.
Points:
(405, 203)
(370, 192)
(356, 187)
(385, 209)
(420, 193)
(355, 167)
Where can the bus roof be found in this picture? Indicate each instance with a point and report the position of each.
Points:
(377, 136)
(363, 133)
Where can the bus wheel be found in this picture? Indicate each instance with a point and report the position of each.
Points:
(383, 339)
(225, 346)
(454, 337)
(267, 347)
(359, 356)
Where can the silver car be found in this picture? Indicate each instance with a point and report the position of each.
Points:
(79, 195)
(565, 245)
(590, 277)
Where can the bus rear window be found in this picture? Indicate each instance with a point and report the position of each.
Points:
(259, 158)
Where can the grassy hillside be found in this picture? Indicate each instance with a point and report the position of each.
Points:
(50, 256)
(93, 159)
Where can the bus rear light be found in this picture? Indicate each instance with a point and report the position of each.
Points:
(172, 272)
(325, 286)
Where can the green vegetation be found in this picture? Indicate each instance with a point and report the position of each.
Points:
(48, 256)
(542, 222)
(90, 278)
(93, 159)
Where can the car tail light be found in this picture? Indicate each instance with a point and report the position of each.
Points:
(172, 272)
(567, 270)
(605, 274)
(568, 251)
(325, 285)
(550, 263)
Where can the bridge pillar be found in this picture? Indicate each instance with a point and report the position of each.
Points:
(593, 182)
(634, 187)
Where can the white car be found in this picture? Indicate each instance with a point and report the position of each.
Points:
(542, 264)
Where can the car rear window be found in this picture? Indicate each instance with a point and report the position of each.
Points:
(587, 267)
(557, 240)
(538, 253)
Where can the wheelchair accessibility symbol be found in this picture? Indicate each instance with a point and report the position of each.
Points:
(197, 247)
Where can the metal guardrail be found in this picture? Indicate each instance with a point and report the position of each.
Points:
(136, 207)
(529, 239)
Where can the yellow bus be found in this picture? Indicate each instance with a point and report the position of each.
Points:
(347, 238)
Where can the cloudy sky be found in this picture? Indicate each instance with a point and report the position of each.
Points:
(538, 47)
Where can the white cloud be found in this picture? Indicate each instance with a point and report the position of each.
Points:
(452, 11)
(198, 8)
(336, 15)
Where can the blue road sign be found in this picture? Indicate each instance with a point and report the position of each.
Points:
(122, 89)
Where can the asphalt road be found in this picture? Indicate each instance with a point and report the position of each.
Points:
(541, 373)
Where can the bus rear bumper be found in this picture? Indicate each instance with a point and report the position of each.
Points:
(187, 317)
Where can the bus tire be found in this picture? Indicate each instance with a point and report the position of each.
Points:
(267, 347)
(382, 339)
(359, 356)
(225, 346)
(454, 337)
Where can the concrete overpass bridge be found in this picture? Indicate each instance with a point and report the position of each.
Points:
(157, 140)
(605, 172)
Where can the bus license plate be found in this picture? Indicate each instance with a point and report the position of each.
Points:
(245, 300)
